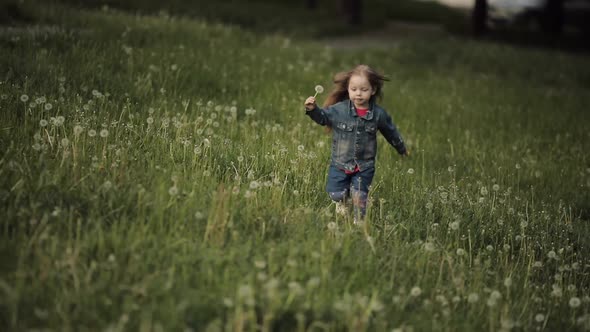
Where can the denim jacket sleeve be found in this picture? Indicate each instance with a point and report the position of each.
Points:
(390, 132)
(320, 116)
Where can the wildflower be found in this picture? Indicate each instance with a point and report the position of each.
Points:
(104, 133)
(313, 282)
(575, 302)
(199, 215)
(473, 298)
(429, 247)
(557, 291)
(65, 142)
(48, 106)
(260, 264)
(450, 169)
(454, 225)
(539, 318)
(228, 302)
(460, 252)
(254, 185)
(92, 133)
(551, 255)
(496, 187)
(197, 150)
(150, 120)
(483, 191)
(301, 148)
(489, 247)
(78, 130)
(24, 98)
(318, 89)
(429, 206)
(59, 120)
(43, 123)
(36, 146)
(538, 174)
(173, 191)
(508, 282)
(332, 226)
(415, 291)
(517, 166)
(410, 171)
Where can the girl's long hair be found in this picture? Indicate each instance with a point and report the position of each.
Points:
(340, 90)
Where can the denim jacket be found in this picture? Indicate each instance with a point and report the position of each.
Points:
(354, 138)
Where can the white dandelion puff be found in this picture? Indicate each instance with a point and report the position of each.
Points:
(539, 318)
(48, 106)
(43, 123)
(410, 171)
(575, 302)
(78, 130)
(24, 98)
(415, 291)
(92, 133)
(173, 191)
(473, 298)
(104, 133)
(318, 89)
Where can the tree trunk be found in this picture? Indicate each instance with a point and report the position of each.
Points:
(552, 20)
(479, 17)
(353, 11)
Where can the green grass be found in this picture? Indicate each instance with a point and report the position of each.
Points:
(196, 212)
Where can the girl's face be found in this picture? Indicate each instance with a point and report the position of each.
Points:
(360, 91)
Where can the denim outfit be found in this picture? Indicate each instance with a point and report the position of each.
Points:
(354, 143)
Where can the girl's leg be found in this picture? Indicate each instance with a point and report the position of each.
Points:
(360, 191)
(338, 188)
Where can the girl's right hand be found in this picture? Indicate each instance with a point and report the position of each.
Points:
(310, 103)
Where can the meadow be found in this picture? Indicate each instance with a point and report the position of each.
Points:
(158, 173)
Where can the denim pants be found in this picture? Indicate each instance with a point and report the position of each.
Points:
(342, 186)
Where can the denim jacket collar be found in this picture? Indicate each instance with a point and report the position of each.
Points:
(370, 112)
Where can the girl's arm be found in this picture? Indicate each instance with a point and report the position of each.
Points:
(315, 113)
(391, 134)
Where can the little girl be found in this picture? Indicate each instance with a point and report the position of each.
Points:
(354, 117)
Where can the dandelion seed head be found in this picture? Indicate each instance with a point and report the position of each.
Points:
(319, 89)
(24, 98)
(415, 291)
(104, 133)
(574, 302)
(91, 132)
(410, 171)
(473, 298)
(48, 107)
(43, 123)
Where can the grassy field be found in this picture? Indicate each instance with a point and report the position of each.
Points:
(159, 174)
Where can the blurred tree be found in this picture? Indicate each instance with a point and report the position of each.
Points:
(312, 4)
(353, 11)
(479, 17)
(552, 17)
